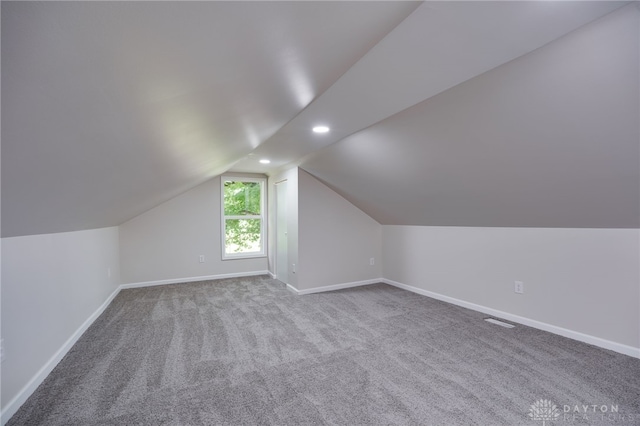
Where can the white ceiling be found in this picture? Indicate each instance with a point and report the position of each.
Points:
(110, 108)
(551, 139)
(440, 45)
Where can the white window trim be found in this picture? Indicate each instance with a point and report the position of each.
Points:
(262, 216)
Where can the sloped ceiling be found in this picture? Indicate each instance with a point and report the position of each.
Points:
(551, 139)
(110, 108)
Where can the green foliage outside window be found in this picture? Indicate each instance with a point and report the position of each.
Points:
(242, 210)
(241, 198)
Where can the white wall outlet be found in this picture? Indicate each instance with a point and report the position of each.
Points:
(293, 268)
(519, 287)
(201, 258)
(372, 261)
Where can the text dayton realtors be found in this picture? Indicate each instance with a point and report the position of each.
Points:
(610, 412)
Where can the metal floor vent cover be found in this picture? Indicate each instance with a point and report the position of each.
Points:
(498, 322)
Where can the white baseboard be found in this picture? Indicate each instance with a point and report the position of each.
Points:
(13, 405)
(333, 287)
(193, 279)
(575, 335)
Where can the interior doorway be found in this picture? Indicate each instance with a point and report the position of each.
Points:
(282, 270)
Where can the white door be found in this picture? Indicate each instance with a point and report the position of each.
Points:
(282, 271)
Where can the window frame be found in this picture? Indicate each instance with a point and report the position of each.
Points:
(262, 217)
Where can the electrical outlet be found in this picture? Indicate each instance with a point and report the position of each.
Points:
(519, 287)
(293, 269)
(372, 261)
(201, 259)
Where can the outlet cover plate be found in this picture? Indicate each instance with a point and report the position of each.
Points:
(519, 287)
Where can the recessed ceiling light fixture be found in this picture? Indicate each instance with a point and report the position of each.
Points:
(265, 161)
(320, 129)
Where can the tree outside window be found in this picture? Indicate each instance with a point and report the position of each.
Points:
(243, 221)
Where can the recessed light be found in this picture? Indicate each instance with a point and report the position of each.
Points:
(265, 161)
(320, 129)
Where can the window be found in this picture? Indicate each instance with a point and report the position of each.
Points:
(243, 217)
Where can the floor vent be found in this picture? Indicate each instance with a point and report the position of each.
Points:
(498, 322)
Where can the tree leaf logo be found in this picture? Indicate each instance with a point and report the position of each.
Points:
(545, 410)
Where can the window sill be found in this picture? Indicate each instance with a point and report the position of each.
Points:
(244, 256)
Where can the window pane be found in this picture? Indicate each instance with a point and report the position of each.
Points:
(241, 198)
(242, 236)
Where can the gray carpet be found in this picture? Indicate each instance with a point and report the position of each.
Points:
(248, 352)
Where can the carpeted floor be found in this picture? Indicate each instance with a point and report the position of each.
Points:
(247, 352)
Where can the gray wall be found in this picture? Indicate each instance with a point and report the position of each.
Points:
(165, 242)
(584, 280)
(329, 239)
(336, 239)
(51, 284)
